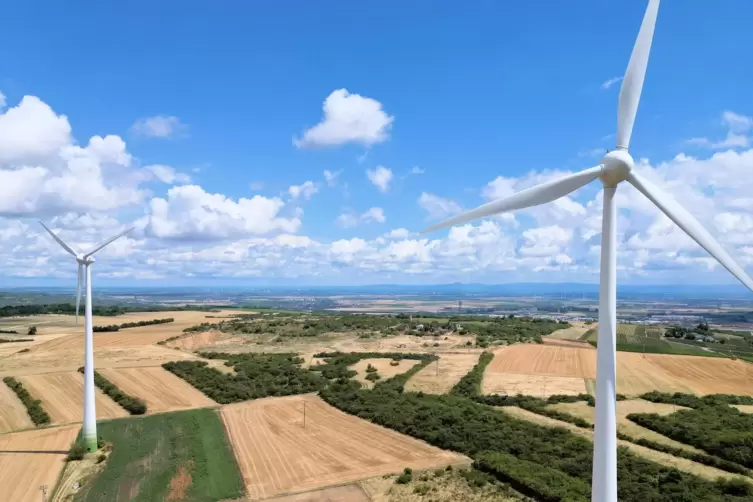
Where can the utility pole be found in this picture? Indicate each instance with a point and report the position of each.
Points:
(44, 492)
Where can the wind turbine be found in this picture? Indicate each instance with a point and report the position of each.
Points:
(85, 262)
(615, 167)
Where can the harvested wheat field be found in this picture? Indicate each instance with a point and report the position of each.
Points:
(62, 396)
(537, 359)
(349, 493)
(574, 344)
(639, 373)
(624, 408)
(277, 455)
(531, 385)
(745, 408)
(31, 459)
(572, 333)
(38, 362)
(13, 414)
(384, 369)
(161, 390)
(636, 373)
(441, 376)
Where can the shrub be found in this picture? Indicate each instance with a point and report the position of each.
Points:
(404, 479)
(32, 331)
(77, 451)
(470, 384)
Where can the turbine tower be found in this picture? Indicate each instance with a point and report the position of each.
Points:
(85, 262)
(615, 167)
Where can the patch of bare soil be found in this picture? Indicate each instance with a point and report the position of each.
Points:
(180, 483)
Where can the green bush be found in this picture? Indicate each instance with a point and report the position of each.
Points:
(77, 451)
(33, 406)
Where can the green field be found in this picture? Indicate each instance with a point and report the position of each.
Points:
(648, 339)
(181, 456)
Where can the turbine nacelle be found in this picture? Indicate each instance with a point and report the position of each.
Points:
(85, 260)
(616, 167)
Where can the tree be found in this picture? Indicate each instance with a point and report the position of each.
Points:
(32, 330)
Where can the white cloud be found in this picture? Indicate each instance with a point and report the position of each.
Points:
(437, 207)
(380, 177)
(159, 126)
(31, 133)
(2, 100)
(738, 129)
(398, 233)
(190, 213)
(306, 190)
(610, 82)
(167, 174)
(331, 177)
(417, 170)
(350, 219)
(348, 118)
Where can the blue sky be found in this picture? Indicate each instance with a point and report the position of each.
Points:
(465, 93)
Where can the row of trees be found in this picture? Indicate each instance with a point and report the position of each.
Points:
(34, 406)
(718, 430)
(132, 405)
(126, 325)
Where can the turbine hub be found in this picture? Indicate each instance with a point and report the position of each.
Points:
(615, 167)
(85, 261)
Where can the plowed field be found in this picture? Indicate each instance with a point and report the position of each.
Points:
(31, 459)
(62, 396)
(278, 455)
(13, 414)
(440, 377)
(161, 390)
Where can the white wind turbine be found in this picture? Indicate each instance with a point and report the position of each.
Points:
(84, 270)
(616, 167)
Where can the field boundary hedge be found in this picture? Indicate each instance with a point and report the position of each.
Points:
(126, 325)
(33, 406)
(132, 405)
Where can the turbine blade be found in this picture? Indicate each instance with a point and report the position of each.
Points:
(108, 241)
(78, 290)
(690, 226)
(632, 84)
(541, 194)
(59, 240)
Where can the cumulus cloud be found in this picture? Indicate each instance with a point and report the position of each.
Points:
(159, 126)
(380, 177)
(348, 118)
(304, 191)
(350, 219)
(2, 100)
(189, 212)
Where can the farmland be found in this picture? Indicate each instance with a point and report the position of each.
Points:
(636, 373)
(62, 396)
(442, 375)
(161, 390)
(277, 454)
(172, 456)
(13, 414)
(31, 459)
(384, 368)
